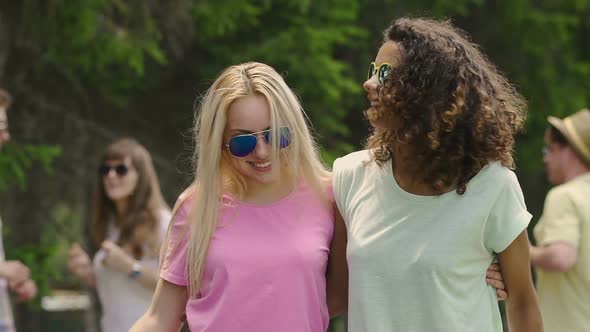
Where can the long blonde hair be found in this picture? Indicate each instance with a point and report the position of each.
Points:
(214, 175)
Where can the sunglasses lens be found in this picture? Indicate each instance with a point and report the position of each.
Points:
(241, 146)
(383, 73)
(121, 170)
(371, 71)
(103, 170)
(285, 134)
(285, 137)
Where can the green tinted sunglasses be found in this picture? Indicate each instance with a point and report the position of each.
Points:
(381, 71)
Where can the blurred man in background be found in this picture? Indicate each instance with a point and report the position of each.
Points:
(14, 275)
(562, 254)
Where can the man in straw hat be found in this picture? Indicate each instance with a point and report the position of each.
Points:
(562, 255)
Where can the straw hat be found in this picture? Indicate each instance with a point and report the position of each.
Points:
(576, 130)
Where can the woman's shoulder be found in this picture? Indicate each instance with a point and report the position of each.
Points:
(495, 169)
(184, 200)
(352, 161)
(497, 174)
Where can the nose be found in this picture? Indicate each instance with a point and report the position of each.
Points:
(111, 174)
(262, 149)
(371, 84)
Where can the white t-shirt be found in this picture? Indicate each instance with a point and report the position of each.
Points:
(418, 263)
(123, 299)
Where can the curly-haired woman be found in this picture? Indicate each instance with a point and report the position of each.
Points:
(433, 200)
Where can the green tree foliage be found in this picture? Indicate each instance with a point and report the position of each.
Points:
(16, 159)
(84, 72)
(300, 39)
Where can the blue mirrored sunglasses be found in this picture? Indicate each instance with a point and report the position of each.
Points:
(243, 145)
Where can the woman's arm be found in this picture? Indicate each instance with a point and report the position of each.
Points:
(79, 264)
(165, 314)
(522, 306)
(117, 259)
(559, 256)
(337, 274)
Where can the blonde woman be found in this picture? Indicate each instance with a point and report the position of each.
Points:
(258, 218)
(129, 224)
(253, 244)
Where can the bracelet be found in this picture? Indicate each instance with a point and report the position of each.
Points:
(135, 270)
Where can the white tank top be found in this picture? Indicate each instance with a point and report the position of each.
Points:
(123, 299)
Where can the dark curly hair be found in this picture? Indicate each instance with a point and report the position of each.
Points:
(448, 103)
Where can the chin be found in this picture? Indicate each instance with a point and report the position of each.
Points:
(263, 179)
(376, 118)
(555, 181)
(115, 196)
(254, 177)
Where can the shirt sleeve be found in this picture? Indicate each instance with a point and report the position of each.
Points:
(165, 216)
(559, 221)
(508, 216)
(174, 262)
(337, 186)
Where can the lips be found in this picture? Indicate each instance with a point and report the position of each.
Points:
(262, 165)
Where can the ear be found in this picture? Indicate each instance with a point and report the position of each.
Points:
(570, 154)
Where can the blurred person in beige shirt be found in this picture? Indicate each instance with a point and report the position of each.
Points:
(562, 254)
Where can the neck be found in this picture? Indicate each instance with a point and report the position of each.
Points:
(270, 192)
(407, 174)
(576, 169)
(121, 207)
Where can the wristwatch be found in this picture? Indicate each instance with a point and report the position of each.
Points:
(135, 270)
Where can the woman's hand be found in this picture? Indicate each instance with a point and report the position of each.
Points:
(15, 272)
(495, 279)
(80, 265)
(116, 258)
(26, 291)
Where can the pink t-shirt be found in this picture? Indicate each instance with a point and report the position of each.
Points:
(265, 269)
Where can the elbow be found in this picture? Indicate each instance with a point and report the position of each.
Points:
(337, 306)
(556, 262)
(524, 313)
(563, 263)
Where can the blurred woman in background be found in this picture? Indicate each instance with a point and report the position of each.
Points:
(129, 223)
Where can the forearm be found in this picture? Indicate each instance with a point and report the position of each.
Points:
(524, 316)
(148, 278)
(549, 259)
(150, 323)
(145, 276)
(89, 279)
(337, 293)
(337, 272)
(336, 305)
(166, 311)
